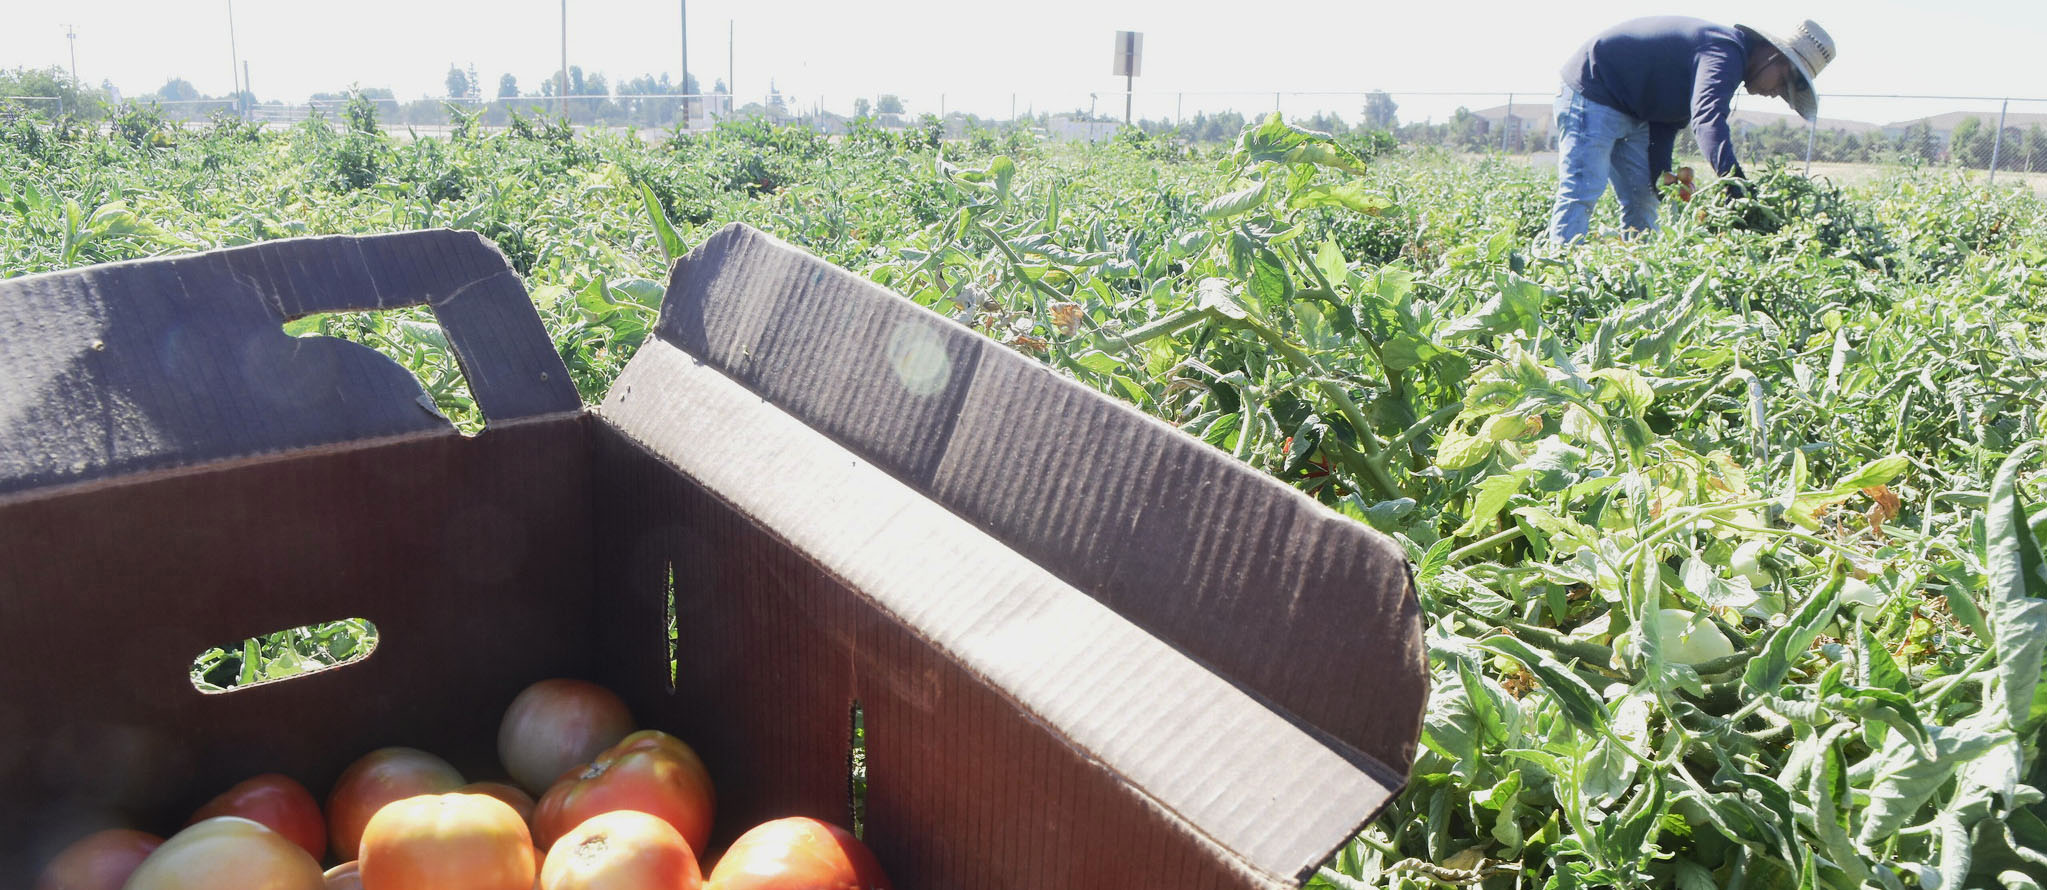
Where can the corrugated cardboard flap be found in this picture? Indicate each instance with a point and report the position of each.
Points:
(165, 362)
(1243, 660)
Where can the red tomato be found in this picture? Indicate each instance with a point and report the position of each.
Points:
(650, 771)
(278, 801)
(346, 876)
(228, 851)
(380, 777)
(102, 860)
(447, 842)
(621, 850)
(512, 795)
(797, 854)
(556, 725)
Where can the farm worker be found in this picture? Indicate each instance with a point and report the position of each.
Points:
(1629, 89)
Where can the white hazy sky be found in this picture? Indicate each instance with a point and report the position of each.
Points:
(1049, 54)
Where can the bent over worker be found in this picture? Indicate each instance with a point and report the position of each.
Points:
(1630, 89)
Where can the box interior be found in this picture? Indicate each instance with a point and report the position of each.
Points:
(1087, 650)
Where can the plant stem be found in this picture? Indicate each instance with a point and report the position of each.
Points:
(1483, 544)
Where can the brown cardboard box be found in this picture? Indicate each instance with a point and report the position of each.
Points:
(1090, 651)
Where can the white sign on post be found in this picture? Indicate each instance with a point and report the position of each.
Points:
(1129, 53)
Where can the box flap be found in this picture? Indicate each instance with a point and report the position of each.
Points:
(163, 362)
(1230, 651)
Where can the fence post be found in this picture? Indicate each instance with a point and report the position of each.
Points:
(1997, 141)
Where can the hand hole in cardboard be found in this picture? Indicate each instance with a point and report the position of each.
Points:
(673, 634)
(856, 773)
(284, 654)
(413, 338)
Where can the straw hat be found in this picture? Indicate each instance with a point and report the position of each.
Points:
(1809, 49)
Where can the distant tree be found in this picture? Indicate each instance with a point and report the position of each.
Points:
(658, 109)
(1919, 141)
(1851, 149)
(52, 83)
(1328, 123)
(508, 86)
(475, 83)
(888, 104)
(862, 107)
(2035, 154)
(178, 89)
(1468, 131)
(1379, 113)
(458, 83)
(1970, 144)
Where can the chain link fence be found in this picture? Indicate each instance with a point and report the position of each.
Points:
(2003, 139)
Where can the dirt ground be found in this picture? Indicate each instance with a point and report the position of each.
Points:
(1855, 174)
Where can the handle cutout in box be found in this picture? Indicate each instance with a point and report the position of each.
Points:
(415, 341)
(283, 655)
(856, 773)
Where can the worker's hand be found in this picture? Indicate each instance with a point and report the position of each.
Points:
(1682, 179)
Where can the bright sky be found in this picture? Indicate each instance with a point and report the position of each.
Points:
(1048, 54)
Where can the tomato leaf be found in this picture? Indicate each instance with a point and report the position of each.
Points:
(1579, 703)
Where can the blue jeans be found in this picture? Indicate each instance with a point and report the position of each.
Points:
(1597, 144)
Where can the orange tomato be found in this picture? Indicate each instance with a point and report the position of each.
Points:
(556, 725)
(102, 860)
(278, 801)
(621, 850)
(380, 777)
(649, 771)
(797, 854)
(447, 842)
(518, 799)
(228, 851)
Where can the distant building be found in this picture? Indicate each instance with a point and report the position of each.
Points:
(1527, 125)
(1064, 128)
(1743, 121)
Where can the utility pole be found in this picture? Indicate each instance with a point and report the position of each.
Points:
(563, 90)
(1507, 123)
(72, 34)
(684, 64)
(234, 62)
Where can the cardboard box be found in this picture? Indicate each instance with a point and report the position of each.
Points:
(1089, 651)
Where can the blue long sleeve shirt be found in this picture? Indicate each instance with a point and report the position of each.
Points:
(1668, 71)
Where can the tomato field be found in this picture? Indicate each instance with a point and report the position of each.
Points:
(1725, 537)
